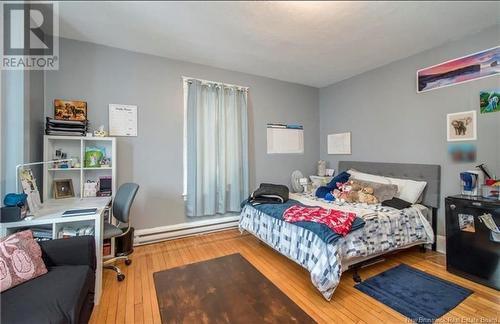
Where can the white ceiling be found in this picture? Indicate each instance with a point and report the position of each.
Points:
(311, 43)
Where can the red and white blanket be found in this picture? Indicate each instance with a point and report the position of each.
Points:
(338, 221)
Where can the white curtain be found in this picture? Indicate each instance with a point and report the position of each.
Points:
(217, 148)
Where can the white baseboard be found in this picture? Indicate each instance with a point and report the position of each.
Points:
(441, 244)
(163, 233)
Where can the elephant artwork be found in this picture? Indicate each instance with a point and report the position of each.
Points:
(461, 126)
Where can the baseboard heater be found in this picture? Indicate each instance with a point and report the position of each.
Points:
(163, 233)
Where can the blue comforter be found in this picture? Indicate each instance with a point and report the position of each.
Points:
(321, 230)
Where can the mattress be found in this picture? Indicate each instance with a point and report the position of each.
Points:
(386, 229)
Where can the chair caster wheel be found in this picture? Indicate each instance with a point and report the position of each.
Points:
(120, 277)
(128, 262)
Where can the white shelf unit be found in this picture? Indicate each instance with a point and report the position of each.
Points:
(75, 147)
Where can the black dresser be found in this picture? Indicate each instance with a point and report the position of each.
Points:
(472, 251)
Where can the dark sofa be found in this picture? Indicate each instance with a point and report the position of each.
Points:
(65, 294)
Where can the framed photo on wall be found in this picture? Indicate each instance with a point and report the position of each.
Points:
(461, 126)
(463, 69)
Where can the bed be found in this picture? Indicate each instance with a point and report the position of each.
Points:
(386, 229)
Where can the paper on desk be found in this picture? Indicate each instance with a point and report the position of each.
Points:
(488, 220)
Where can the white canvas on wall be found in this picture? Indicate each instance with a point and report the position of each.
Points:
(339, 143)
(122, 120)
(285, 140)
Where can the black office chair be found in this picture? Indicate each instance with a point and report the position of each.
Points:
(120, 211)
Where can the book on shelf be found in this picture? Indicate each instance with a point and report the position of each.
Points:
(41, 233)
(106, 248)
(69, 231)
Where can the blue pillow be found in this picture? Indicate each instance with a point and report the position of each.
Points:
(322, 191)
(332, 185)
(341, 177)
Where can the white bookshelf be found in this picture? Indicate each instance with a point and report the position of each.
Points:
(75, 147)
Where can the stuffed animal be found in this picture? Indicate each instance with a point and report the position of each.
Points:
(352, 192)
(366, 196)
(347, 192)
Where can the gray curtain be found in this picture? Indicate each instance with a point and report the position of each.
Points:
(217, 148)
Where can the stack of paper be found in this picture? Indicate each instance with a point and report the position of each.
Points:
(65, 127)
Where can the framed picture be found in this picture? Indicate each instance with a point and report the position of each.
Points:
(70, 110)
(489, 101)
(63, 188)
(462, 152)
(339, 143)
(461, 126)
(464, 69)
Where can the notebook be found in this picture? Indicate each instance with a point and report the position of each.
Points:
(79, 212)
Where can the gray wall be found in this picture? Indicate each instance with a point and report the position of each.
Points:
(390, 122)
(102, 75)
(34, 124)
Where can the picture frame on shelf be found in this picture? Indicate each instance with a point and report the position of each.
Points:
(74, 110)
(63, 188)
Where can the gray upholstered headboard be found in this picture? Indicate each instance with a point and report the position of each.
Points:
(421, 172)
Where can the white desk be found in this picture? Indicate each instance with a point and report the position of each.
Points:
(51, 214)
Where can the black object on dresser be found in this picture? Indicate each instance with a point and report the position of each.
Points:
(471, 250)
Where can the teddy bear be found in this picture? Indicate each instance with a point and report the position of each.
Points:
(366, 196)
(347, 191)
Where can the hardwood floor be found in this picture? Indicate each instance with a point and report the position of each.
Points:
(134, 299)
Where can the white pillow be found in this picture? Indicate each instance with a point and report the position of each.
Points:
(408, 190)
(368, 177)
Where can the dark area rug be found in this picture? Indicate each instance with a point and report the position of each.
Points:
(223, 290)
(418, 295)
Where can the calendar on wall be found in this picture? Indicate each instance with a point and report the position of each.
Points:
(122, 120)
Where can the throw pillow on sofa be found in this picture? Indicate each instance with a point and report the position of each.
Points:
(20, 259)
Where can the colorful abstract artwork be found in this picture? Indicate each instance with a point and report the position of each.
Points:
(471, 67)
(489, 101)
(462, 152)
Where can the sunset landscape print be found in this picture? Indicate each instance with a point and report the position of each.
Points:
(475, 66)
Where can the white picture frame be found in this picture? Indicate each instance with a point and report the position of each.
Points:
(461, 126)
(339, 143)
(285, 140)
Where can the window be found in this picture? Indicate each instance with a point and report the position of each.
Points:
(215, 147)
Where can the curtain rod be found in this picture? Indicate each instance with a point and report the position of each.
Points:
(185, 78)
